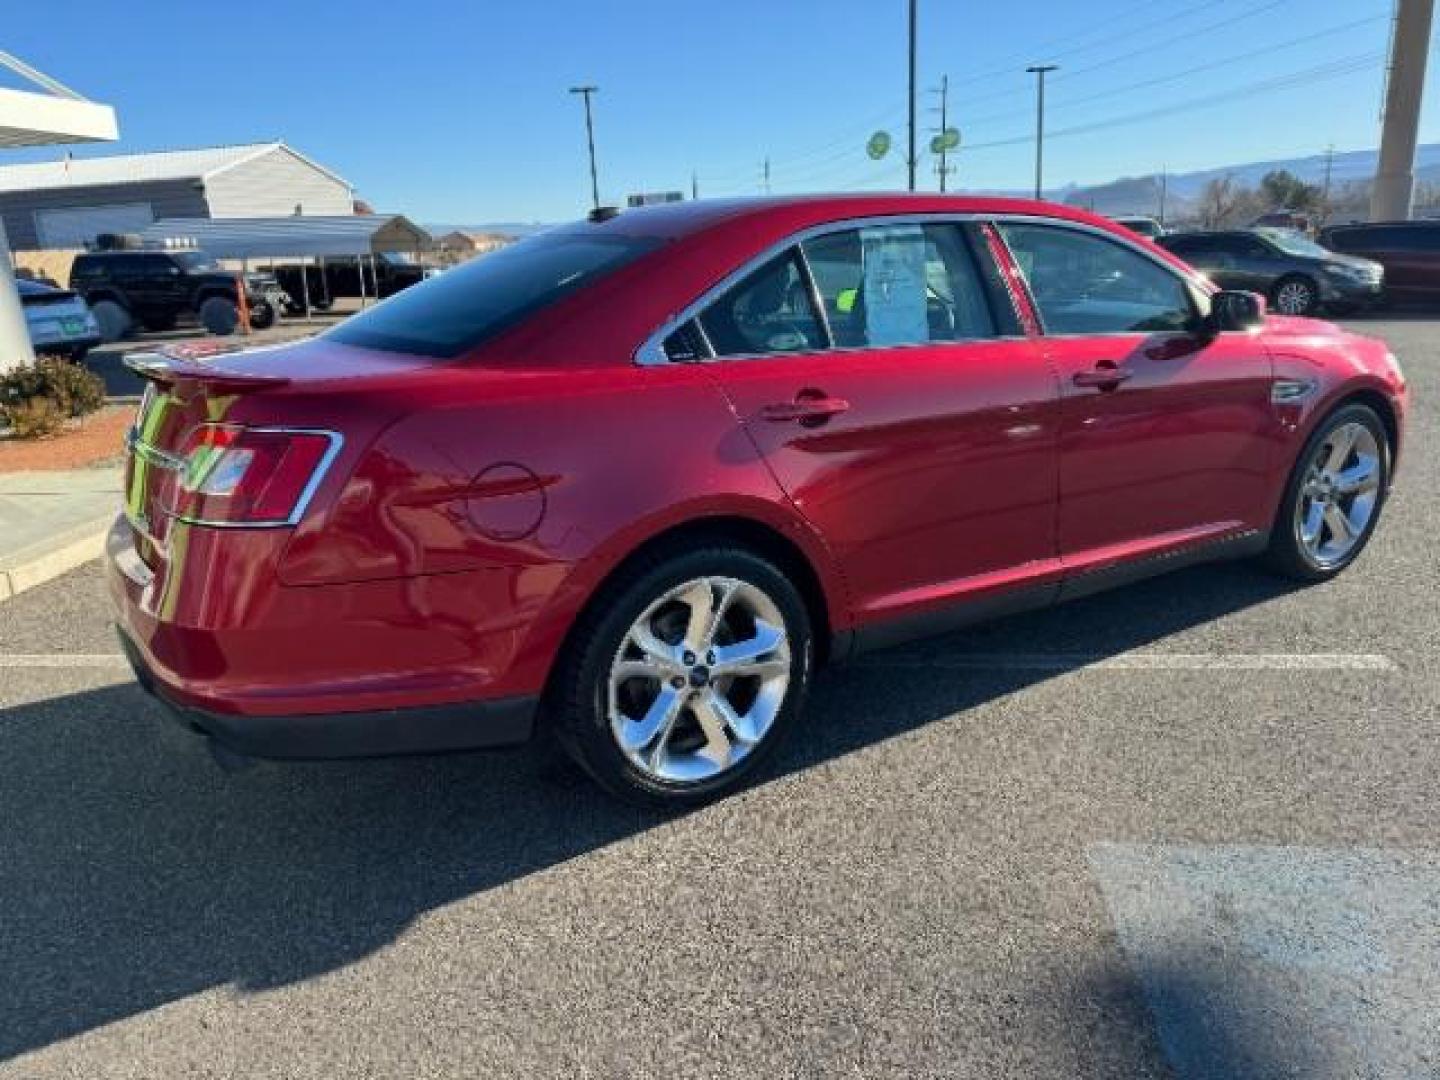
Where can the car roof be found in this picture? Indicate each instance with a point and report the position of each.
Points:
(676, 220)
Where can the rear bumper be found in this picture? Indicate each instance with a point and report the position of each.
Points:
(321, 671)
(423, 730)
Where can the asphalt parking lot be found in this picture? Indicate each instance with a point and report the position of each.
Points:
(1186, 829)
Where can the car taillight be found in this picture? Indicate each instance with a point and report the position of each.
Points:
(233, 475)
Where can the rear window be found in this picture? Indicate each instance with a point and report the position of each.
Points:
(462, 308)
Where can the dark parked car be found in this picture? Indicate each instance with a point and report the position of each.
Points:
(393, 273)
(628, 482)
(1147, 227)
(157, 289)
(1295, 220)
(1296, 274)
(1408, 250)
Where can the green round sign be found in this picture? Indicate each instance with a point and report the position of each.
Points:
(937, 145)
(949, 138)
(879, 145)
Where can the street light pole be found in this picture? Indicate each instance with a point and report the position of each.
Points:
(1040, 71)
(586, 91)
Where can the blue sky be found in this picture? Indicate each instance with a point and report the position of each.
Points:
(458, 112)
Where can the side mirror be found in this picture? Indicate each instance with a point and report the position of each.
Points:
(1231, 310)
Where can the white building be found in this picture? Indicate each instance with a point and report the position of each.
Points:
(66, 202)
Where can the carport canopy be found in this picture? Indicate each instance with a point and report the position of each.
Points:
(290, 237)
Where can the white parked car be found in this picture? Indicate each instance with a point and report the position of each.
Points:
(60, 322)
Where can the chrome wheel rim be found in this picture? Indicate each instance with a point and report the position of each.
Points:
(1339, 494)
(699, 680)
(1293, 298)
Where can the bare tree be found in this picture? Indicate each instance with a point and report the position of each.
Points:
(1217, 201)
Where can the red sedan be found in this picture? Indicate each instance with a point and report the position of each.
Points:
(629, 482)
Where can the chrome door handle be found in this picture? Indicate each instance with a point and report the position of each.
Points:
(806, 408)
(1104, 376)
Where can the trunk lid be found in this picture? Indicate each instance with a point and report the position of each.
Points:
(297, 385)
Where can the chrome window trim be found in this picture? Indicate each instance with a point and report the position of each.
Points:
(172, 463)
(652, 353)
(812, 293)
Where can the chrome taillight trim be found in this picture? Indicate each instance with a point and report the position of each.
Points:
(153, 456)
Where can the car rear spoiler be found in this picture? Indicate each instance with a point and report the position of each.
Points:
(187, 363)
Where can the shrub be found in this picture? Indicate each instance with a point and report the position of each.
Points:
(38, 399)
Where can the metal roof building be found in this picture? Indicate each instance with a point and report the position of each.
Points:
(289, 237)
(66, 202)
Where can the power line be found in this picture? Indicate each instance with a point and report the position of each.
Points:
(1343, 66)
(1176, 76)
(1068, 49)
(1187, 37)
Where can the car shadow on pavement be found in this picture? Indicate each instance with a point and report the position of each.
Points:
(133, 872)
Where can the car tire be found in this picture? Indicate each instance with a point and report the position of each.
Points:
(321, 305)
(112, 318)
(219, 315)
(1295, 294)
(654, 725)
(262, 315)
(1334, 497)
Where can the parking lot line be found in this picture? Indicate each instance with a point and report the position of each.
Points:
(61, 660)
(1142, 661)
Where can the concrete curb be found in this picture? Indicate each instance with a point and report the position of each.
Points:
(59, 554)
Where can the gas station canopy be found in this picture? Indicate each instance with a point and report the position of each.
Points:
(55, 114)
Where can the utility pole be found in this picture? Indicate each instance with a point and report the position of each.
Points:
(694, 185)
(1040, 71)
(765, 176)
(1164, 190)
(1325, 196)
(910, 161)
(586, 91)
(1394, 193)
(943, 168)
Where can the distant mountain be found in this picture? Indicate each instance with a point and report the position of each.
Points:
(1141, 195)
(516, 229)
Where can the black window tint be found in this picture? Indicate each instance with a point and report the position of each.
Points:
(443, 316)
(1350, 239)
(1183, 245)
(899, 285)
(685, 344)
(768, 312)
(1085, 284)
(1417, 238)
(125, 267)
(156, 265)
(1250, 247)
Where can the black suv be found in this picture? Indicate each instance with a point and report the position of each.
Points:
(1294, 272)
(159, 288)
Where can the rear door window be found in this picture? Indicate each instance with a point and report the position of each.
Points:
(769, 311)
(1088, 284)
(899, 285)
(461, 308)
